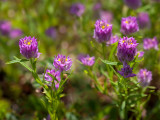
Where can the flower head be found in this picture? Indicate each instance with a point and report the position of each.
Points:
(133, 4)
(5, 27)
(144, 77)
(129, 25)
(15, 33)
(102, 31)
(62, 63)
(143, 20)
(126, 49)
(51, 32)
(106, 15)
(140, 53)
(77, 9)
(97, 6)
(29, 47)
(87, 60)
(149, 43)
(49, 78)
(113, 39)
(126, 71)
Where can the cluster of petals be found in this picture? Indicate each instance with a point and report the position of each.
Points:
(149, 43)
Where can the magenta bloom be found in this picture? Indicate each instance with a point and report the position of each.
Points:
(97, 6)
(143, 20)
(62, 63)
(129, 25)
(126, 49)
(102, 31)
(126, 71)
(106, 15)
(29, 47)
(5, 27)
(144, 77)
(87, 60)
(56, 74)
(15, 33)
(113, 39)
(140, 53)
(51, 32)
(77, 9)
(149, 43)
(133, 4)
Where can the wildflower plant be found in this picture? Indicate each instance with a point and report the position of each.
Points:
(53, 79)
(128, 93)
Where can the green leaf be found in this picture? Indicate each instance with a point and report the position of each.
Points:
(123, 105)
(109, 62)
(17, 61)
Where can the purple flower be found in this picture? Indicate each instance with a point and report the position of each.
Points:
(113, 39)
(129, 25)
(126, 71)
(15, 33)
(5, 27)
(51, 32)
(106, 15)
(133, 4)
(144, 77)
(56, 74)
(149, 43)
(29, 47)
(143, 20)
(140, 53)
(102, 31)
(87, 60)
(62, 63)
(77, 9)
(126, 49)
(97, 6)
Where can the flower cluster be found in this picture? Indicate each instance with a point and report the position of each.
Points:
(29, 47)
(126, 71)
(133, 4)
(144, 77)
(112, 40)
(143, 20)
(129, 25)
(87, 60)
(62, 63)
(149, 43)
(102, 31)
(55, 74)
(5, 27)
(77, 9)
(126, 49)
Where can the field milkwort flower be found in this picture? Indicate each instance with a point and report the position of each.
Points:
(77, 9)
(129, 25)
(87, 60)
(56, 74)
(106, 15)
(5, 27)
(134, 4)
(143, 20)
(126, 49)
(62, 63)
(29, 47)
(144, 77)
(126, 71)
(149, 43)
(102, 31)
